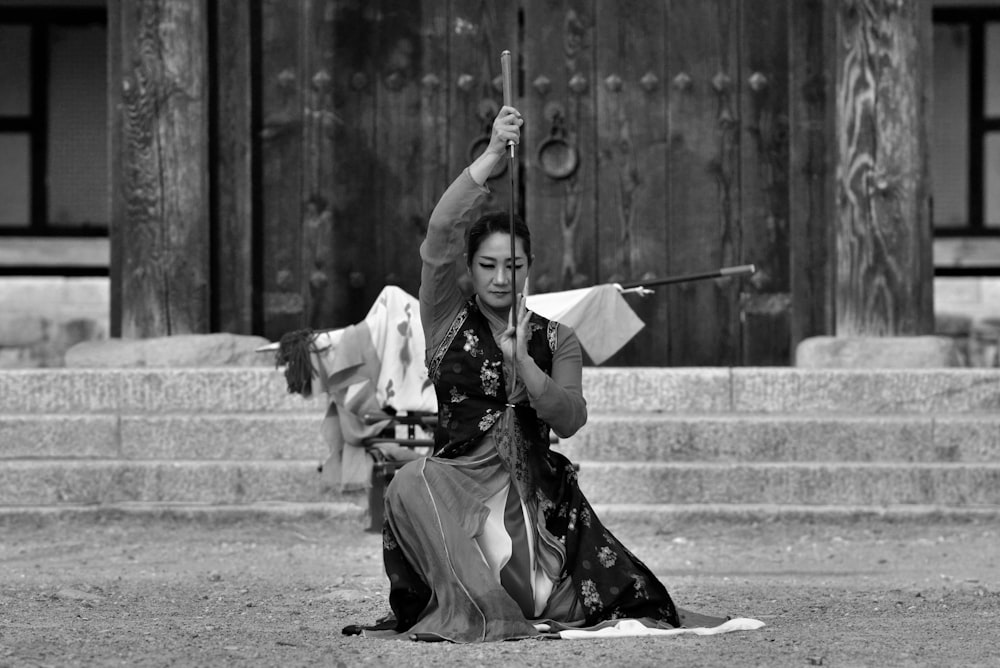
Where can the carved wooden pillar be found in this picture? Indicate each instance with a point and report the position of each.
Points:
(160, 177)
(883, 266)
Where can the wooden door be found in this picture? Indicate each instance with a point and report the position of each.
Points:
(655, 144)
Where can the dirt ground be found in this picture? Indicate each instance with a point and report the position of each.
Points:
(137, 591)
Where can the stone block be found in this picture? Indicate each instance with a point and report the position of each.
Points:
(967, 438)
(660, 390)
(763, 438)
(242, 437)
(211, 390)
(889, 352)
(59, 391)
(208, 390)
(865, 392)
(41, 483)
(58, 436)
(854, 484)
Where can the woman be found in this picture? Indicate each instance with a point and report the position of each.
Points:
(491, 535)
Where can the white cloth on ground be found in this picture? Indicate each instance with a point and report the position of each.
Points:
(633, 627)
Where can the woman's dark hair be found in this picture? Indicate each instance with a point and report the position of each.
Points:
(496, 221)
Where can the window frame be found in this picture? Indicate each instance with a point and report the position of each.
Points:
(979, 124)
(36, 123)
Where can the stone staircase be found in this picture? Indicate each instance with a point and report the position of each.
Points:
(784, 441)
(661, 443)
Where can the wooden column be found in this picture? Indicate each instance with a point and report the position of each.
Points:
(160, 176)
(884, 270)
(811, 80)
(233, 295)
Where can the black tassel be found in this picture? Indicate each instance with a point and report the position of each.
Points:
(294, 352)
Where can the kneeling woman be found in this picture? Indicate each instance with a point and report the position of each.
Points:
(491, 535)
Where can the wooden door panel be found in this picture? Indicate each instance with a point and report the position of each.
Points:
(679, 163)
(353, 135)
(559, 150)
(703, 179)
(281, 170)
(765, 302)
(398, 217)
(632, 199)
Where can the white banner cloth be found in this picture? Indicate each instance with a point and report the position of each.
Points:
(602, 318)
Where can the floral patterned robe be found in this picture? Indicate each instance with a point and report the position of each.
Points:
(440, 585)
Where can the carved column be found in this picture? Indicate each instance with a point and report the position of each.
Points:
(883, 266)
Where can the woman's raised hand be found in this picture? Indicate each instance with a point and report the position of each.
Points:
(506, 127)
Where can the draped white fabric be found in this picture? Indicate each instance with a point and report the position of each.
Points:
(603, 320)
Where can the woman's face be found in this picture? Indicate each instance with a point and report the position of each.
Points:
(490, 270)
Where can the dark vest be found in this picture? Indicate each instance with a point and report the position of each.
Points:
(470, 382)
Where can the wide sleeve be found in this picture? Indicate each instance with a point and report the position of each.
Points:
(560, 400)
(444, 245)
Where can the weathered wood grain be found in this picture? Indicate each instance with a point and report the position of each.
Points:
(282, 89)
(161, 193)
(632, 199)
(322, 275)
(479, 32)
(765, 299)
(884, 266)
(232, 297)
(357, 278)
(434, 170)
(399, 209)
(703, 68)
(560, 123)
(704, 132)
(811, 80)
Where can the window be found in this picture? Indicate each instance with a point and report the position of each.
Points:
(965, 154)
(54, 201)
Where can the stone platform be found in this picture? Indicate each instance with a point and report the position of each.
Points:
(741, 442)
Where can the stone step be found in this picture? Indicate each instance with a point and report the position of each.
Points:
(698, 436)
(53, 482)
(702, 390)
(873, 484)
(269, 436)
(642, 437)
(789, 438)
(194, 390)
(609, 390)
(661, 517)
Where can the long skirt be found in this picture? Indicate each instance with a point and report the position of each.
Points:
(469, 560)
